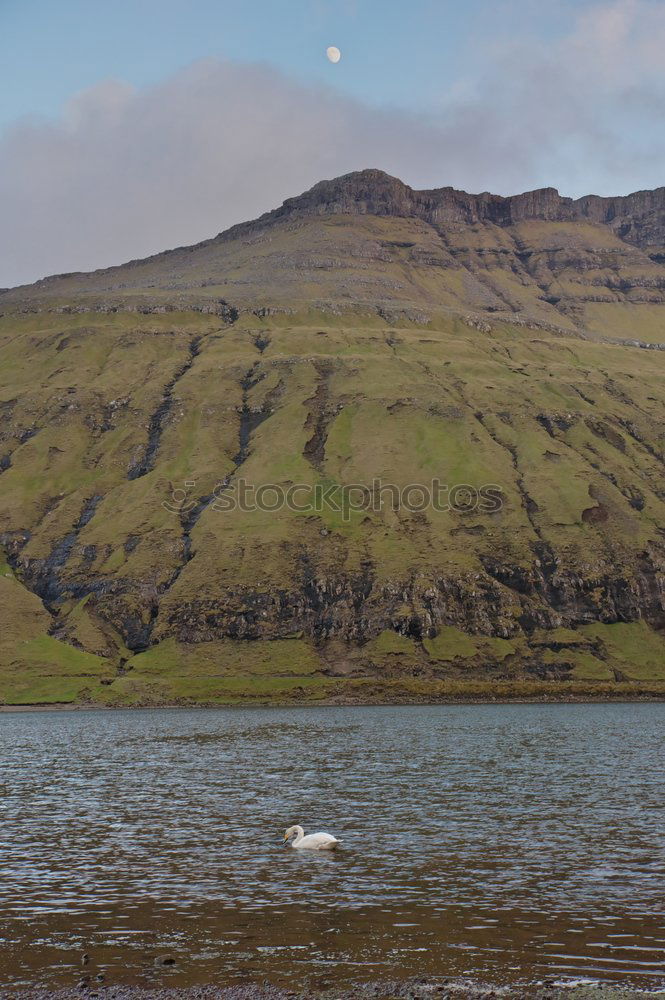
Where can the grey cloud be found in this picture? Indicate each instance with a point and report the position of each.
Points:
(127, 173)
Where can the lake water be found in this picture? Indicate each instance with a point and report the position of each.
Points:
(511, 843)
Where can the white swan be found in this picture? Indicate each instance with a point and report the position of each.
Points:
(311, 842)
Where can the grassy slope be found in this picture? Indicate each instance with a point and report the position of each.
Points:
(405, 408)
(569, 428)
(568, 275)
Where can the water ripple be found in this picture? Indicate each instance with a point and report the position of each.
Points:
(498, 817)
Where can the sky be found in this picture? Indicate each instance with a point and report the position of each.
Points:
(133, 126)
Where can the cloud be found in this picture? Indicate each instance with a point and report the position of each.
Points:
(125, 173)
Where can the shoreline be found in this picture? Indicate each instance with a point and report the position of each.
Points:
(420, 988)
(623, 699)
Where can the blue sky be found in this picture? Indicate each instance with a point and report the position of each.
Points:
(407, 53)
(131, 126)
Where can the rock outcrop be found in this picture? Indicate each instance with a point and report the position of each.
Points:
(637, 218)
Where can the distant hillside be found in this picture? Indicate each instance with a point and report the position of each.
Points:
(362, 333)
(367, 241)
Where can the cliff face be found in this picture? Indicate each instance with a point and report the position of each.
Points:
(637, 218)
(363, 333)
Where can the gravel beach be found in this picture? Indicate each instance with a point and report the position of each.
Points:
(412, 989)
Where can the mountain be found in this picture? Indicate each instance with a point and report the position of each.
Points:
(503, 353)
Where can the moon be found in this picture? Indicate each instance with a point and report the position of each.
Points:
(333, 53)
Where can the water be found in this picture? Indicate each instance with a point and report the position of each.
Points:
(512, 843)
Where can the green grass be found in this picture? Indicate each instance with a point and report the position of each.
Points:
(389, 643)
(451, 644)
(632, 648)
(44, 670)
(589, 667)
(562, 424)
(293, 657)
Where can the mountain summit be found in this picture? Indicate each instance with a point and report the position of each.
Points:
(496, 364)
(637, 218)
(369, 243)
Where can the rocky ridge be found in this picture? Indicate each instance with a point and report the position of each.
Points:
(637, 218)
